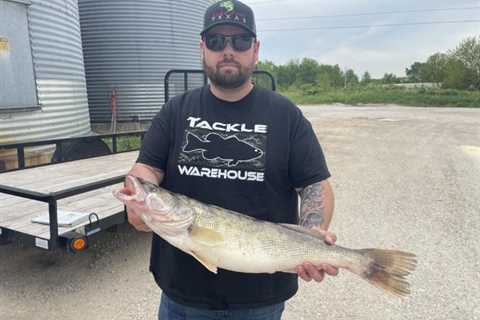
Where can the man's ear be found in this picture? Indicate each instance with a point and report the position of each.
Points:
(202, 48)
(256, 50)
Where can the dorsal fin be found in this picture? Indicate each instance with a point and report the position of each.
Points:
(297, 228)
(213, 137)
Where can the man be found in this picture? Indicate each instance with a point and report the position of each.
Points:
(239, 147)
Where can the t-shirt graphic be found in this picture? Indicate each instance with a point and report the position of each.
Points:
(223, 155)
(229, 149)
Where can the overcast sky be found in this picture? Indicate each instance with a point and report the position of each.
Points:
(376, 49)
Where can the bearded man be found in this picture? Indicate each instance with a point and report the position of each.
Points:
(243, 148)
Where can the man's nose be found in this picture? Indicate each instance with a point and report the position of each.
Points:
(229, 46)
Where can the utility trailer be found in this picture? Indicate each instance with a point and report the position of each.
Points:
(36, 202)
(80, 188)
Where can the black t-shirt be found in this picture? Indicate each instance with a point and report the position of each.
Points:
(247, 156)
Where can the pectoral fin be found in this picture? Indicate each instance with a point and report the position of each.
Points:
(207, 264)
(206, 237)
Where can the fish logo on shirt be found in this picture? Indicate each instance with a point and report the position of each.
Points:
(230, 149)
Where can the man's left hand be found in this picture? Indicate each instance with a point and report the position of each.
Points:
(307, 271)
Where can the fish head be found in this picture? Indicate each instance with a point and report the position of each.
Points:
(168, 214)
(161, 201)
(154, 198)
(249, 152)
(160, 209)
(133, 192)
(139, 193)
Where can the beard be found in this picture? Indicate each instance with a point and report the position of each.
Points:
(228, 79)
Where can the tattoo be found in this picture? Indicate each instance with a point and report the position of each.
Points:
(312, 211)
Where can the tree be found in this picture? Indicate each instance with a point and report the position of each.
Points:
(308, 71)
(287, 74)
(468, 54)
(366, 78)
(434, 69)
(457, 75)
(414, 72)
(335, 75)
(351, 78)
(389, 78)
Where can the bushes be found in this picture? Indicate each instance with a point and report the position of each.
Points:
(310, 94)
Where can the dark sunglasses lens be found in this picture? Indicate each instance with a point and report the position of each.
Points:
(218, 42)
(215, 42)
(242, 43)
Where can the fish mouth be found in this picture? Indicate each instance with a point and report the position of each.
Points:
(137, 193)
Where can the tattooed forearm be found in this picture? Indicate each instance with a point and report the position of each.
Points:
(312, 208)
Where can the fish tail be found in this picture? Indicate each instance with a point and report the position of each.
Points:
(387, 269)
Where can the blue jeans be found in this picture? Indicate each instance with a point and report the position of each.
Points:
(170, 310)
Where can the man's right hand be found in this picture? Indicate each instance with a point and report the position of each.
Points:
(137, 222)
(150, 174)
(133, 215)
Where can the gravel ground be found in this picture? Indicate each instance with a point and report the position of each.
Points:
(404, 178)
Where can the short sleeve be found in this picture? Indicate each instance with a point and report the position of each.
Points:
(157, 139)
(307, 164)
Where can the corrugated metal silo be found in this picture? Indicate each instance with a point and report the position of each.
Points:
(46, 33)
(59, 74)
(129, 45)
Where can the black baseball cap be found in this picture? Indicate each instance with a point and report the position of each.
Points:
(231, 12)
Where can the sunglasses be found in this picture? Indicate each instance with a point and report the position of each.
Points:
(218, 42)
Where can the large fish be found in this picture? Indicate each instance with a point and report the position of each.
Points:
(221, 238)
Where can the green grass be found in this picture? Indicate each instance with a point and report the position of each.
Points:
(125, 143)
(412, 97)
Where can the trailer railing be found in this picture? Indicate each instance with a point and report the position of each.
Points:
(186, 79)
(59, 145)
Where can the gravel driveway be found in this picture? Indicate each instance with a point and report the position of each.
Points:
(404, 178)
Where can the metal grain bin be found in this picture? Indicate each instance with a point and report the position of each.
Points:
(53, 100)
(129, 45)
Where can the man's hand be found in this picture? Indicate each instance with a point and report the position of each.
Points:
(133, 214)
(134, 208)
(135, 220)
(307, 271)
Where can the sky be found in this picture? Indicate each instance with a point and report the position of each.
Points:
(370, 47)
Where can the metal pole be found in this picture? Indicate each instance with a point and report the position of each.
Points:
(60, 151)
(53, 219)
(21, 157)
(114, 143)
(185, 81)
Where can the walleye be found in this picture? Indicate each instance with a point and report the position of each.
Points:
(221, 238)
